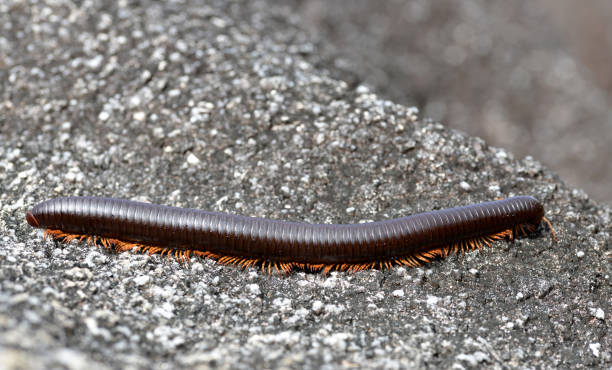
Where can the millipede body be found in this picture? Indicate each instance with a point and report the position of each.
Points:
(122, 225)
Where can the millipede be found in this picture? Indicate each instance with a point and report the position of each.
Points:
(120, 225)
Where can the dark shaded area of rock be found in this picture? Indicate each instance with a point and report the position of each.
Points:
(228, 107)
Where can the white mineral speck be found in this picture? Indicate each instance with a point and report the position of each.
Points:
(192, 159)
(432, 300)
(141, 280)
(95, 62)
(139, 116)
(103, 116)
(598, 313)
(165, 310)
(254, 289)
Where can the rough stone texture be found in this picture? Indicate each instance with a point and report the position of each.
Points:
(227, 106)
(533, 77)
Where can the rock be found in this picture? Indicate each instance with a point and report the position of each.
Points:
(276, 136)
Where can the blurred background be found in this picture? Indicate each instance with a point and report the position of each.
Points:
(533, 77)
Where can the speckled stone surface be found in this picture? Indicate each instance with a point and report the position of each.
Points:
(226, 106)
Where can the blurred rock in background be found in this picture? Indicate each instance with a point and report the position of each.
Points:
(532, 77)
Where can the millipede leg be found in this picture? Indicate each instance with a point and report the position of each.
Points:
(552, 230)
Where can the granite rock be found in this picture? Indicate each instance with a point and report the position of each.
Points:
(226, 106)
